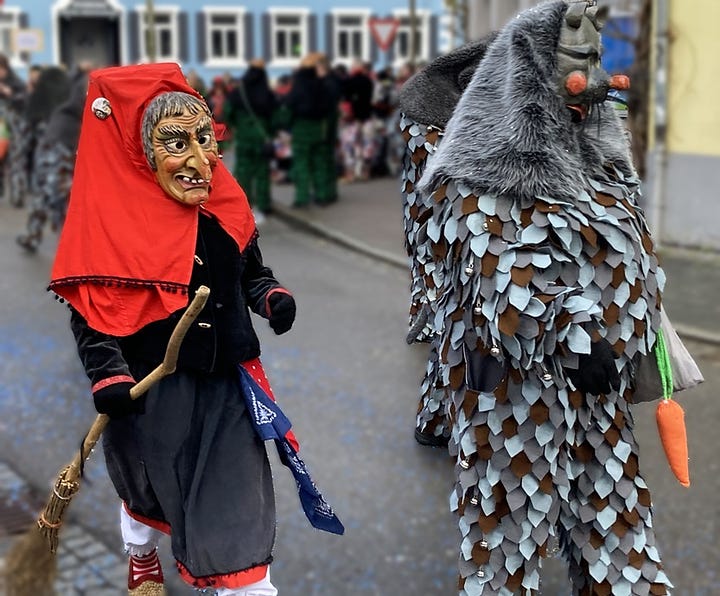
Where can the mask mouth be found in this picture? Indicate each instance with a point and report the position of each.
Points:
(578, 112)
(192, 182)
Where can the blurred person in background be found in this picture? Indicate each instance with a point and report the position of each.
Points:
(196, 82)
(216, 98)
(250, 110)
(13, 98)
(311, 105)
(50, 89)
(55, 162)
(395, 142)
(357, 90)
(333, 86)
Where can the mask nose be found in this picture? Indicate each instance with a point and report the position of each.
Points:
(199, 160)
(598, 85)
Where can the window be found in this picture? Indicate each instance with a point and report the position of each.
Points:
(350, 36)
(289, 36)
(167, 34)
(401, 45)
(9, 23)
(225, 37)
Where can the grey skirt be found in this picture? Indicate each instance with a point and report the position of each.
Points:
(194, 462)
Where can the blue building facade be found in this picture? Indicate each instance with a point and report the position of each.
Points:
(218, 37)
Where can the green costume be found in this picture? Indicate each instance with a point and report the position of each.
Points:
(313, 169)
(249, 112)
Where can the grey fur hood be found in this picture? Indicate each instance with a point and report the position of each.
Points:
(430, 95)
(511, 133)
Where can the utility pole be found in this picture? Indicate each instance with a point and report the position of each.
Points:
(413, 34)
(150, 39)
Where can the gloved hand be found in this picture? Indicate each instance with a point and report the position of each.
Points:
(282, 312)
(114, 400)
(596, 371)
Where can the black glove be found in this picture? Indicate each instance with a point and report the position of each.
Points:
(115, 401)
(282, 312)
(596, 371)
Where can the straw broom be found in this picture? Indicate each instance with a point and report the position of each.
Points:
(31, 564)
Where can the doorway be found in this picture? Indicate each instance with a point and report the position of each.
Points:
(89, 39)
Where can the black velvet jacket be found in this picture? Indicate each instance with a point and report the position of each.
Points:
(221, 337)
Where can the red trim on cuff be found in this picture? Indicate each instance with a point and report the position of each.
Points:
(112, 381)
(156, 524)
(237, 579)
(270, 293)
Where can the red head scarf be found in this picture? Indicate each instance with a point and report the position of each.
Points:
(126, 250)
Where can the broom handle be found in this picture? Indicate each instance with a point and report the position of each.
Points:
(166, 367)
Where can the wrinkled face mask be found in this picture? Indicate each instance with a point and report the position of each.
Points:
(186, 152)
(582, 81)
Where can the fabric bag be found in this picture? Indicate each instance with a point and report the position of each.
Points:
(685, 372)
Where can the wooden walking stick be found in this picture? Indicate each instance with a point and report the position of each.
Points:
(30, 564)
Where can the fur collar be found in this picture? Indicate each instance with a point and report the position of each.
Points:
(430, 95)
(512, 135)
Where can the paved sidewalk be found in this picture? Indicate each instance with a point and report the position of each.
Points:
(368, 218)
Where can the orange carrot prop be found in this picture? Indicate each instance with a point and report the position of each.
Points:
(671, 419)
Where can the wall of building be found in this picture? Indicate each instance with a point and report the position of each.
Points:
(256, 29)
(688, 203)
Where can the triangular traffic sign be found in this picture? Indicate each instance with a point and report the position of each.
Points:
(383, 31)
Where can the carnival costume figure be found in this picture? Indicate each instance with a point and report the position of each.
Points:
(54, 164)
(153, 215)
(551, 293)
(427, 101)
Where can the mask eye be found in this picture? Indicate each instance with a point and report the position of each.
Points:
(176, 145)
(205, 139)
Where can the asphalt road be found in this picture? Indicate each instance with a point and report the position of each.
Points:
(346, 378)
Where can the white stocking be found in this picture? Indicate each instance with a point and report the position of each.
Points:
(139, 538)
(261, 588)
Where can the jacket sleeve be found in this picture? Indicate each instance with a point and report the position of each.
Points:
(100, 355)
(258, 281)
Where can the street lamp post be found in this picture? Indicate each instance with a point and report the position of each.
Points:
(150, 39)
(413, 33)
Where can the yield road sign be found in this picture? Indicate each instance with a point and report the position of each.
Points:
(383, 31)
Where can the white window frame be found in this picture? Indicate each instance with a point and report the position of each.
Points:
(174, 26)
(240, 31)
(12, 25)
(423, 18)
(364, 27)
(304, 15)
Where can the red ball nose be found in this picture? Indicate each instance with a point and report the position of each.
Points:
(576, 83)
(619, 82)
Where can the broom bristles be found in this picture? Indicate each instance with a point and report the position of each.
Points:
(30, 567)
